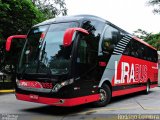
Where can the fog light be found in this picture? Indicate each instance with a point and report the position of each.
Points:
(61, 101)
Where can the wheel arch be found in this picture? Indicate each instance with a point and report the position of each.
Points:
(148, 80)
(107, 82)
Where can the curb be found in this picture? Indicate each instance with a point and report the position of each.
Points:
(7, 91)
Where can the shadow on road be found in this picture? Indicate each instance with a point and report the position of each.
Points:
(129, 96)
(60, 111)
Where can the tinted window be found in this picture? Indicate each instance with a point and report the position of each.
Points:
(93, 27)
(139, 50)
(88, 45)
(47, 55)
(152, 54)
(110, 39)
(87, 51)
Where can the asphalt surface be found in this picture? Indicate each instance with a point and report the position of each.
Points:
(134, 104)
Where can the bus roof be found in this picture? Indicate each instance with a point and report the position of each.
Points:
(91, 17)
(78, 18)
(71, 18)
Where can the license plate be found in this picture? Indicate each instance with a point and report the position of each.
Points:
(34, 97)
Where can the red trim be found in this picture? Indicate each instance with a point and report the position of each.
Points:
(127, 91)
(56, 101)
(67, 40)
(138, 39)
(102, 64)
(9, 40)
(30, 84)
(155, 85)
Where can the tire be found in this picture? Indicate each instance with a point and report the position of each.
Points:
(147, 88)
(105, 96)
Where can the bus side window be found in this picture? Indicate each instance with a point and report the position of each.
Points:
(88, 45)
(110, 39)
(87, 52)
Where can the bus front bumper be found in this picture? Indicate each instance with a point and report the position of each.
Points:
(58, 101)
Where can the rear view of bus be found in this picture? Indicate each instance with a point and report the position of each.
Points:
(80, 59)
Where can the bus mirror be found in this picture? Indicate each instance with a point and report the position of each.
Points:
(9, 40)
(67, 39)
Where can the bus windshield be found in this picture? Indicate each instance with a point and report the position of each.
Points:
(48, 55)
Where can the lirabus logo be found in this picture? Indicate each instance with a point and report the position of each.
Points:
(129, 73)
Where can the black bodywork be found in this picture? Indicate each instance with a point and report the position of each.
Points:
(86, 72)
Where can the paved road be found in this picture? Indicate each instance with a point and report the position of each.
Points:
(131, 104)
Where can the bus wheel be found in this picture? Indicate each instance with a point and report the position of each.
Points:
(147, 88)
(105, 96)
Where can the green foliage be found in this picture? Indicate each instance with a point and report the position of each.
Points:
(17, 16)
(154, 40)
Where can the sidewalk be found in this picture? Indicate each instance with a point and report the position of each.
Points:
(7, 91)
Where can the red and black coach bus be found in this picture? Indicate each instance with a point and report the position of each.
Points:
(69, 61)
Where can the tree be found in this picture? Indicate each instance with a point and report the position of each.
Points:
(17, 16)
(156, 5)
(51, 8)
(141, 33)
(154, 40)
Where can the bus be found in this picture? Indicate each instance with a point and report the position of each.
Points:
(73, 60)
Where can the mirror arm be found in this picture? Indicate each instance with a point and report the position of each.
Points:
(69, 34)
(9, 40)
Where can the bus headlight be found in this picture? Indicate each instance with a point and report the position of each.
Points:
(58, 86)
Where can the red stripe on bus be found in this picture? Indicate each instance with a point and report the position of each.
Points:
(127, 91)
(155, 85)
(56, 101)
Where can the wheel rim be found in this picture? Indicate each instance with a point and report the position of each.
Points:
(103, 95)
